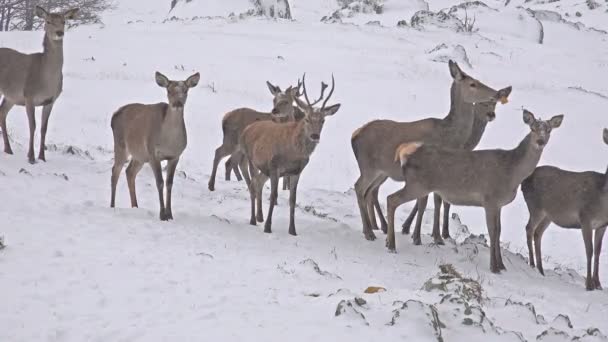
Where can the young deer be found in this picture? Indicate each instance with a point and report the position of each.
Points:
(282, 149)
(375, 143)
(575, 200)
(484, 178)
(151, 134)
(236, 121)
(484, 112)
(33, 80)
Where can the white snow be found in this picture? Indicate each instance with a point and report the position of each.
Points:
(75, 270)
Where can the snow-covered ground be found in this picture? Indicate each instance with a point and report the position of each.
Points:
(76, 270)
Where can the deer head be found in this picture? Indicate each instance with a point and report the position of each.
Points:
(177, 91)
(282, 101)
(472, 90)
(540, 130)
(54, 23)
(486, 111)
(315, 117)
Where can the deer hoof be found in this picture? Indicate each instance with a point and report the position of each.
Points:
(8, 150)
(253, 222)
(267, 229)
(42, 157)
(211, 187)
(417, 241)
(370, 236)
(439, 241)
(292, 232)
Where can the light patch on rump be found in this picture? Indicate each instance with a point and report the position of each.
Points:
(404, 151)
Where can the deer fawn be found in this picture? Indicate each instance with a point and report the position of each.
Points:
(484, 178)
(236, 121)
(484, 113)
(151, 133)
(575, 200)
(282, 149)
(33, 80)
(375, 143)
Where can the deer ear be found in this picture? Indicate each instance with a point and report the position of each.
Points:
(41, 12)
(455, 71)
(528, 117)
(556, 121)
(192, 81)
(71, 14)
(274, 90)
(331, 110)
(162, 80)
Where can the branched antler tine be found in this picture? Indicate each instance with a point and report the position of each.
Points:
(304, 87)
(323, 88)
(299, 91)
(331, 92)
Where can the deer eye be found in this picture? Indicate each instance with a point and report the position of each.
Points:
(473, 85)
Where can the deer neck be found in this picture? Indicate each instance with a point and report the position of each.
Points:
(458, 124)
(174, 117)
(52, 53)
(304, 146)
(479, 127)
(524, 159)
(606, 180)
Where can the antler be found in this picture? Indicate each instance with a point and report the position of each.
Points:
(331, 92)
(323, 88)
(304, 87)
(299, 88)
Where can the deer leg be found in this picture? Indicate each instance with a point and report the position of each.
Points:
(533, 222)
(237, 172)
(491, 214)
(293, 189)
(158, 175)
(220, 153)
(171, 166)
(497, 250)
(244, 165)
(437, 238)
(599, 235)
(132, 171)
(274, 187)
(260, 180)
(228, 168)
(446, 220)
(393, 201)
(371, 198)
(361, 186)
(46, 113)
(587, 238)
(538, 238)
(251, 186)
(405, 228)
(31, 119)
(5, 107)
(383, 223)
(120, 157)
(421, 204)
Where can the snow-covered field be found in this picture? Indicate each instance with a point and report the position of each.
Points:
(76, 270)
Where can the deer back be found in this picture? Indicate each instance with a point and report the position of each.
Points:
(235, 122)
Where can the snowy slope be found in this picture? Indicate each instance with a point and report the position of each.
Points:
(76, 270)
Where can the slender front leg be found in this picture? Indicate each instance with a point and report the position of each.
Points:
(491, 214)
(237, 172)
(171, 166)
(251, 186)
(46, 113)
(293, 190)
(360, 185)
(5, 107)
(599, 235)
(587, 238)
(220, 153)
(132, 171)
(31, 119)
(383, 223)
(538, 238)
(393, 201)
(260, 180)
(405, 228)
(446, 220)
(274, 188)
(158, 175)
(497, 250)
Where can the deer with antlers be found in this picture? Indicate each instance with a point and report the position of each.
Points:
(282, 149)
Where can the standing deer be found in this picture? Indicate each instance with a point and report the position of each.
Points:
(151, 133)
(574, 200)
(484, 113)
(33, 80)
(483, 178)
(282, 149)
(375, 143)
(236, 121)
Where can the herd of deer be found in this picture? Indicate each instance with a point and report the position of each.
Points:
(430, 156)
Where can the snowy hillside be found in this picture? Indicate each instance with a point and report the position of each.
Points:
(75, 270)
